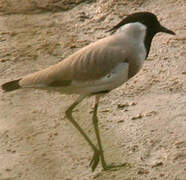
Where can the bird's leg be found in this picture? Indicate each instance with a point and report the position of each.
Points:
(76, 125)
(94, 161)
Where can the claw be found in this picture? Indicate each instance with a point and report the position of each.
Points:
(95, 160)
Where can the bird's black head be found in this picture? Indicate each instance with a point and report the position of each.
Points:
(150, 21)
(146, 18)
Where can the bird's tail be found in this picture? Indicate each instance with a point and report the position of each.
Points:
(11, 86)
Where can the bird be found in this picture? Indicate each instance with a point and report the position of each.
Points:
(97, 69)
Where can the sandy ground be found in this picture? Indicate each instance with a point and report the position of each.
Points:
(143, 123)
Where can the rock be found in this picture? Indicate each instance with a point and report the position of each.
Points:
(120, 121)
(122, 106)
(151, 113)
(138, 116)
(157, 164)
(142, 171)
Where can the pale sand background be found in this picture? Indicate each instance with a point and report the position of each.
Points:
(142, 123)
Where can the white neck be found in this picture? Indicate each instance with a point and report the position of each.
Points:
(135, 31)
(135, 34)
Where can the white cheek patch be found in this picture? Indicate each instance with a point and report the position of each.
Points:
(135, 34)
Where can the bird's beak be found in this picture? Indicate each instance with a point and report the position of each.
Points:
(165, 30)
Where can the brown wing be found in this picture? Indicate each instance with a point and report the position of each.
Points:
(89, 63)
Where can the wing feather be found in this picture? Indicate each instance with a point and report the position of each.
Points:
(90, 63)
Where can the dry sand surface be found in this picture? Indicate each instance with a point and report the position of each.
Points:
(143, 123)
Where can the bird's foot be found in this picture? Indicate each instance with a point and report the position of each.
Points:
(109, 167)
(95, 160)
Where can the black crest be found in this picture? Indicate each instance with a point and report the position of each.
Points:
(146, 18)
